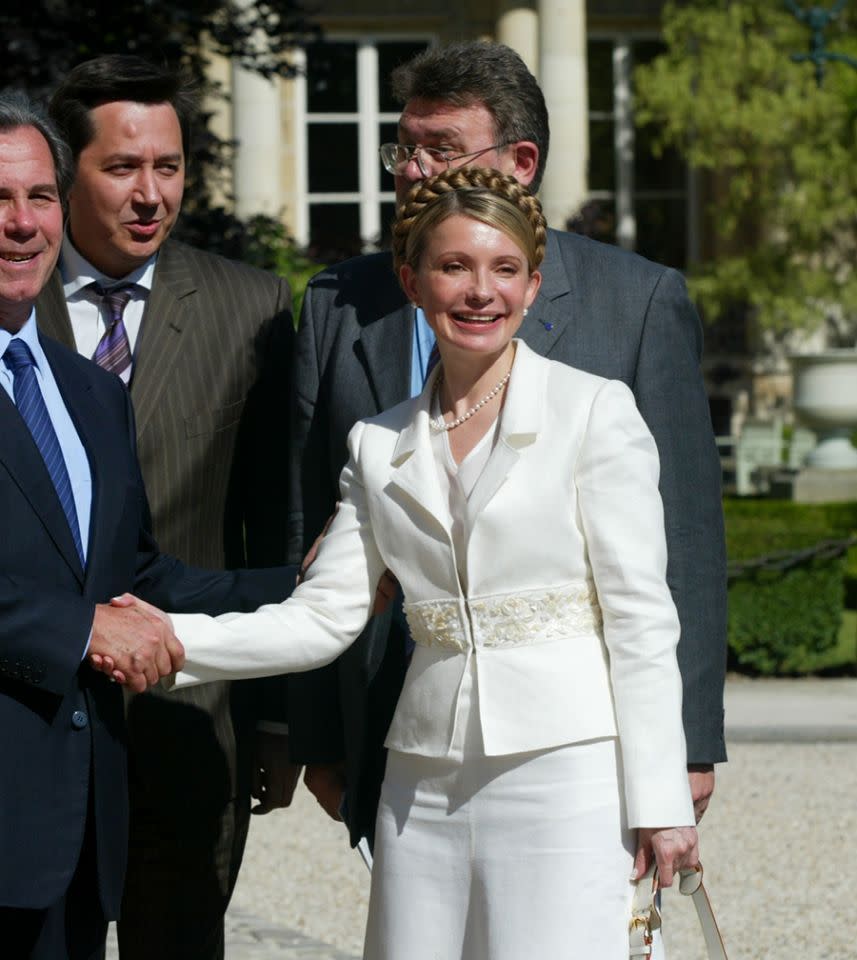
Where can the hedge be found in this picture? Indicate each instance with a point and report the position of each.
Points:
(782, 622)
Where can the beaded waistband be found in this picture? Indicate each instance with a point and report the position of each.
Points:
(506, 619)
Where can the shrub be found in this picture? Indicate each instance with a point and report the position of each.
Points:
(778, 152)
(780, 622)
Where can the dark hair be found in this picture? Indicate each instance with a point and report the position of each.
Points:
(118, 77)
(16, 111)
(491, 74)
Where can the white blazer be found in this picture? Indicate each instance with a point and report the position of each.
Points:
(567, 613)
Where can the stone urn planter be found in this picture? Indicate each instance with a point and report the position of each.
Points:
(825, 398)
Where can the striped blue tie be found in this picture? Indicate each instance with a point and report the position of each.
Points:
(31, 406)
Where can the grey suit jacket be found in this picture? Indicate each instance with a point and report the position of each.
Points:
(600, 309)
(210, 390)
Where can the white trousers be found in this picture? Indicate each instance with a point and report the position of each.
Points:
(501, 858)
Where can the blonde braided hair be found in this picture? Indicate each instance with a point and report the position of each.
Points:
(480, 193)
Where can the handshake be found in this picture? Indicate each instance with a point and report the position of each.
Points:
(133, 643)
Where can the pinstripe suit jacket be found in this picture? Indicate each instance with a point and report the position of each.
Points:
(210, 394)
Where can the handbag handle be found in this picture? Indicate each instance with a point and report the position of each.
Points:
(646, 917)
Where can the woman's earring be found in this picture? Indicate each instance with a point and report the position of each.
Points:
(526, 310)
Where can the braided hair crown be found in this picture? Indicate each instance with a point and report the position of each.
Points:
(478, 192)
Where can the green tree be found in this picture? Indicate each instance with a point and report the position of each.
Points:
(43, 39)
(780, 154)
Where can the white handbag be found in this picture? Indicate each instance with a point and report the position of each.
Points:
(646, 917)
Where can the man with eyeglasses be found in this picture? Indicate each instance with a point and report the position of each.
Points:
(362, 348)
(396, 158)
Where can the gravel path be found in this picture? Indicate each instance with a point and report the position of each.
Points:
(779, 847)
(300, 873)
(777, 843)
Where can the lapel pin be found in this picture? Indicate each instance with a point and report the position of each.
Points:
(545, 323)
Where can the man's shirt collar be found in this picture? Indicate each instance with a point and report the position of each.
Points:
(29, 333)
(78, 273)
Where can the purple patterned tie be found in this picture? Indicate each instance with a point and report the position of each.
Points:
(114, 349)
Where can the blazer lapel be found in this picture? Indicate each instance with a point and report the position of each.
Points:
(520, 424)
(387, 356)
(52, 312)
(556, 306)
(503, 457)
(27, 468)
(414, 468)
(169, 313)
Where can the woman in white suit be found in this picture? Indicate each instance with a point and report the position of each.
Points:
(536, 756)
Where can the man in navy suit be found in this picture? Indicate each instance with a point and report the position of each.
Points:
(75, 534)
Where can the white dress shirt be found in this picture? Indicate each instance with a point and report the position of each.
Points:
(84, 305)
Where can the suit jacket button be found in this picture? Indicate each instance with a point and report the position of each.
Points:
(79, 719)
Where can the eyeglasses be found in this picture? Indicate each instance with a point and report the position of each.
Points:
(396, 156)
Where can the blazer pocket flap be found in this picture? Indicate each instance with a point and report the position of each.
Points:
(213, 421)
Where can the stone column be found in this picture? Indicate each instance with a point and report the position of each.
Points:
(623, 141)
(518, 28)
(562, 66)
(217, 104)
(256, 128)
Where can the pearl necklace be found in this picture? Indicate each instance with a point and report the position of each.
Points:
(439, 424)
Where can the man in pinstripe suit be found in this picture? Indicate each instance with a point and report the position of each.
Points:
(205, 346)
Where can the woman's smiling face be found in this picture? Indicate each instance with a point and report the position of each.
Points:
(473, 283)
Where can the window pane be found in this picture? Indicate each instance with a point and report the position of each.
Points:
(390, 55)
(331, 75)
(388, 213)
(647, 50)
(332, 157)
(334, 231)
(600, 75)
(595, 219)
(387, 133)
(602, 155)
(666, 172)
(661, 230)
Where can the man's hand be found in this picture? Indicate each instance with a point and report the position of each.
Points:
(134, 643)
(307, 561)
(326, 782)
(274, 775)
(701, 777)
(387, 585)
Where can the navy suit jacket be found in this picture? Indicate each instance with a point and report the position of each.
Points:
(62, 727)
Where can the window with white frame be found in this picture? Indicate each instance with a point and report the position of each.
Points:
(347, 197)
(638, 200)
